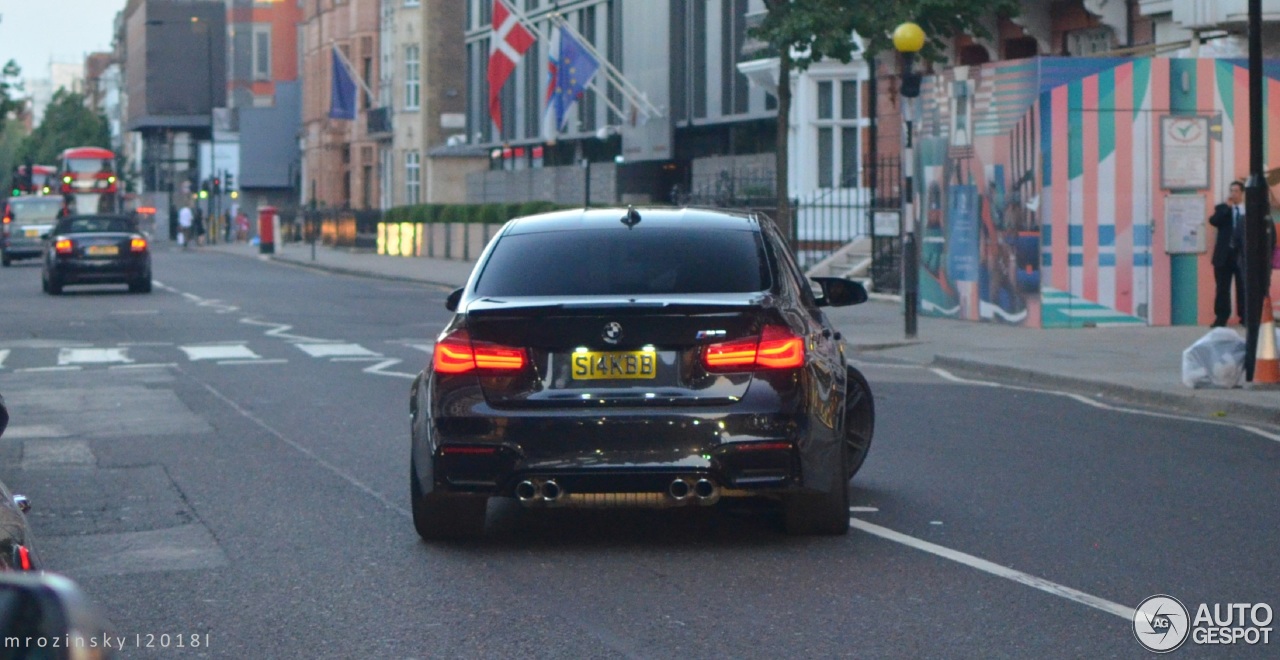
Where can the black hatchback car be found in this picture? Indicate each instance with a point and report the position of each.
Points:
(96, 249)
(654, 357)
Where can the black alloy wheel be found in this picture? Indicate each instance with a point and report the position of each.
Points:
(859, 419)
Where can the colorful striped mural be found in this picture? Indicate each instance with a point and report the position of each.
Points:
(1046, 187)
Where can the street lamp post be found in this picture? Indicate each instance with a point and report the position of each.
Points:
(908, 39)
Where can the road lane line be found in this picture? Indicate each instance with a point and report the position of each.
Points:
(379, 369)
(1052, 588)
(342, 474)
(33, 370)
(863, 509)
(150, 365)
(255, 361)
(946, 375)
(281, 330)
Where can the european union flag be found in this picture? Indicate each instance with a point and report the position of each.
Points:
(342, 96)
(571, 71)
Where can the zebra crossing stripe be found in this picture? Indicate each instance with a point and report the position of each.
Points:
(73, 356)
(223, 352)
(335, 350)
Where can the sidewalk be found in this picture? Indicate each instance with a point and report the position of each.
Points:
(1136, 365)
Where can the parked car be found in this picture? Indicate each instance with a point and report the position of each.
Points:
(659, 357)
(24, 222)
(16, 551)
(96, 249)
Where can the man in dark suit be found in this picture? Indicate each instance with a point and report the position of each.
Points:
(1228, 219)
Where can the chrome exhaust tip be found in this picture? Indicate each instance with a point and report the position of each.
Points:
(526, 492)
(551, 491)
(679, 490)
(707, 491)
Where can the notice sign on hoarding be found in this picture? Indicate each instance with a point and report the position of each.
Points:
(1184, 153)
(1184, 224)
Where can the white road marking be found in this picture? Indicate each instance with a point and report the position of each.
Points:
(235, 352)
(281, 330)
(35, 431)
(68, 356)
(993, 568)
(151, 365)
(257, 361)
(863, 509)
(34, 370)
(135, 312)
(943, 373)
(425, 348)
(145, 343)
(56, 453)
(333, 350)
(4, 353)
(372, 358)
(379, 369)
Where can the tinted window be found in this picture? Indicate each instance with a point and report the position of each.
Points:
(88, 165)
(89, 225)
(35, 210)
(641, 261)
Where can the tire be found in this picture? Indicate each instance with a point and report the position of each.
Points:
(439, 517)
(141, 286)
(5, 260)
(55, 285)
(859, 419)
(820, 514)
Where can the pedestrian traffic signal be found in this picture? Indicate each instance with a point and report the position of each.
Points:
(231, 181)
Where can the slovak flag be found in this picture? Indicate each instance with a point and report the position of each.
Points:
(509, 42)
(570, 67)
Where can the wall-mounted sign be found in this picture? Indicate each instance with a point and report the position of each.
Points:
(1184, 153)
(886, 223)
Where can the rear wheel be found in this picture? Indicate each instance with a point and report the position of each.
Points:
(859, 419)
(821, 513)
(53, 284)
(438, 517)
(4, 259)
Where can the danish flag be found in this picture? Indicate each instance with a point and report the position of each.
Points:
(509, 43)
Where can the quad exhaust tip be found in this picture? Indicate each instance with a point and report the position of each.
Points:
(526, 492)
(679, 490)
(551, 491)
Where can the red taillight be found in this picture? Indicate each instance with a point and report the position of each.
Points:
(465, 450)
(775, 348)
(62, 246)
(457, 354)
(24, 558)
(138, 244)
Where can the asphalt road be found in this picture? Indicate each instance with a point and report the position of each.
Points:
(227, 458)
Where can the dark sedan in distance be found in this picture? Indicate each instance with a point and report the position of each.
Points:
(96, 249)
(650, 357)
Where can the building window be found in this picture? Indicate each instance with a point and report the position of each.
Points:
(262, 52)
(412, 3)
(840, 120)
(411, 80)
(412, 174)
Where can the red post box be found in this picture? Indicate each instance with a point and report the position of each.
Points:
(266, 230)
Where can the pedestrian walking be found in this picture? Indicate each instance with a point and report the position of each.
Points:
(197, 227)
(242, 227)
(1228, 219)
(185, 222)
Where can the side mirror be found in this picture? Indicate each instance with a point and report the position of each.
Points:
(455, 297)
(45, 606)
(839, 292)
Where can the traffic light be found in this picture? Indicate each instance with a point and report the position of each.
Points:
(231, 181)
(217, 186)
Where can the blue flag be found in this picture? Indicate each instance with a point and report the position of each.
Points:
(342, 98)
(571, 69)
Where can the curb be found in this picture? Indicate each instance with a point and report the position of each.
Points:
(1183, 403)
(354, 272)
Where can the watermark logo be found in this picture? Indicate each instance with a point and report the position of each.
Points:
(1161, 623)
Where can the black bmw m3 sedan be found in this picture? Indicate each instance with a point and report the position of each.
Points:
(653, 357)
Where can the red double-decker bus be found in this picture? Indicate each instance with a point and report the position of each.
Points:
(89, 179)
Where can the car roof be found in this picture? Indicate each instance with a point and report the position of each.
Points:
(611, 218)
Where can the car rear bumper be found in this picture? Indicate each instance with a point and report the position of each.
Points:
(19, 248)
(633, 451)
(99, 271)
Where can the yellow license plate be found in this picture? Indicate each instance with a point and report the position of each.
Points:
(593, 365)
(102, 250)
(31, 233)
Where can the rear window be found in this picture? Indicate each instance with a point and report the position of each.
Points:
(35, 210)
(653, 260)
(90, 225)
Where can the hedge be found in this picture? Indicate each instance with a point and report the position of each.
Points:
(468, 213)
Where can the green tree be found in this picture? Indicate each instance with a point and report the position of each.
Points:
(801, 32)
(67, 123)
(10, 84)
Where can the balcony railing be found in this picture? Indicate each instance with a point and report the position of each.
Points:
(379, 122)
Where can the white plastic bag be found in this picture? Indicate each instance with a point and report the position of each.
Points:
(1215, 360)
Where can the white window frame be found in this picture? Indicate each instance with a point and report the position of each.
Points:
(260, 30)
(412, 177)
(837, 124)
(412, 77)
